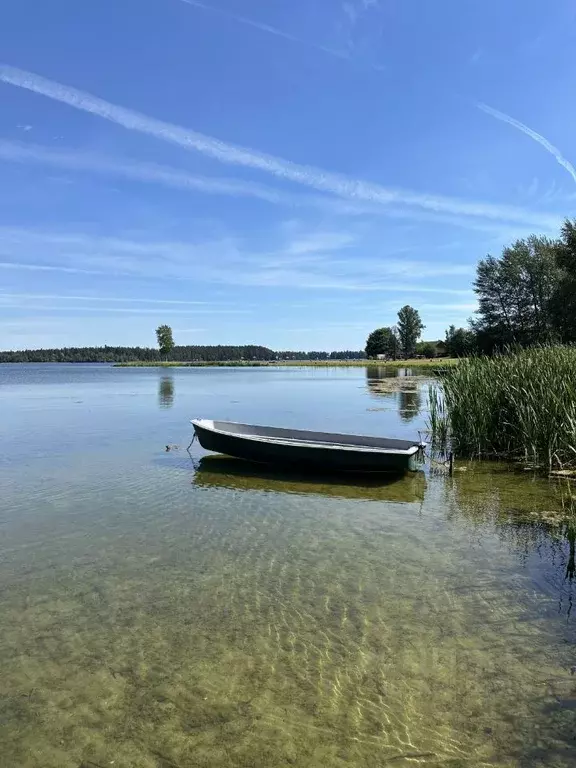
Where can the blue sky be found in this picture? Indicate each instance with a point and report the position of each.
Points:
(283, 173)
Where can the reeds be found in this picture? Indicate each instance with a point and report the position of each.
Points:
(519, 406)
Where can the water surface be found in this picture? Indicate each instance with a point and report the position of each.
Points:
(161, 610)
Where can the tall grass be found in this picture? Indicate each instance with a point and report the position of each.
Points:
(521, 405)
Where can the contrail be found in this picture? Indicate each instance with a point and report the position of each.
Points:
(306, 175)
(154, 173)
(554, 151)
(266, 28)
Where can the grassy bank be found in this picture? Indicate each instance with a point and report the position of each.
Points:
(430, 364)
(521, 406)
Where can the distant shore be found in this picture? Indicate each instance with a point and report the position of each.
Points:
(427, 364)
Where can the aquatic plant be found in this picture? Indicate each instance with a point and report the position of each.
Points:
(438, 420)
(520, 405)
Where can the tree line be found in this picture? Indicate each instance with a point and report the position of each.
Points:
(178, 353)
(135, 354)
(346, 354)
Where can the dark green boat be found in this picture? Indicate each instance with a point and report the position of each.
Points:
(314, 450)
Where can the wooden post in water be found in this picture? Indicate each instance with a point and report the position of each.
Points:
(451, 465)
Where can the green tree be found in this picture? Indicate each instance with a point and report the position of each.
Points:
(514, 294)
(426, 348)
(410, 329)
(382, 341)
(563, 302)
(165, 340)
(460, 342)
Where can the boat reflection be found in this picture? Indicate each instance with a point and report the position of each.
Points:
(238, 475)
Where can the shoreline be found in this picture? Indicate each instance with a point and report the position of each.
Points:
(427, 364)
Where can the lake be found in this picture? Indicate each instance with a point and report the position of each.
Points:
(161, 610)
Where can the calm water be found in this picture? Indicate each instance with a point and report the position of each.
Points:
(158, 611)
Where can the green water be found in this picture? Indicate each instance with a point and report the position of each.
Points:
(158, 610)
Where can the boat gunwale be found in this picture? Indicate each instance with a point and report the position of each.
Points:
(343, 447)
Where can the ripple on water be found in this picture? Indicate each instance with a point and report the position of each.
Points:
(215, 626)
(157, 614)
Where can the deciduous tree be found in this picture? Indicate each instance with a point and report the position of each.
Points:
(426, 348)
(563, 301)
(410, 329)
(382, 341)
(515, 292)
(460, 342)
(165, 340)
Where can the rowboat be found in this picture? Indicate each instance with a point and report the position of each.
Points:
(303, 448)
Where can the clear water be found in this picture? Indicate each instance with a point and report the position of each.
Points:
(161, 611)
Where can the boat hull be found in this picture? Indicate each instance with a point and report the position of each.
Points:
(312, 456)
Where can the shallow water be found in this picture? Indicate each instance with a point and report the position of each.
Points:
(159, 610)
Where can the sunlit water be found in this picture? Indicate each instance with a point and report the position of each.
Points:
(162, 611)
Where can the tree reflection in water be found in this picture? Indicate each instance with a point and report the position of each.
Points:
(166, 392)
(409, 403)
(397, 383)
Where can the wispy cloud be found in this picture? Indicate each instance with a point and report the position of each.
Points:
(310, 176)
(167, 176)
(147, 172)
(532, 189)
(303, 261)
(54, 251)
(476, 57)
(471, 306)
(554, 151)
(306, 280)
(266, 28)
(406, 267)
(84, 310)
(360, 29)
(350, 11)
(318, 242)
(47, 268)
(373, 315)
(61, 297)
(354, 10)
